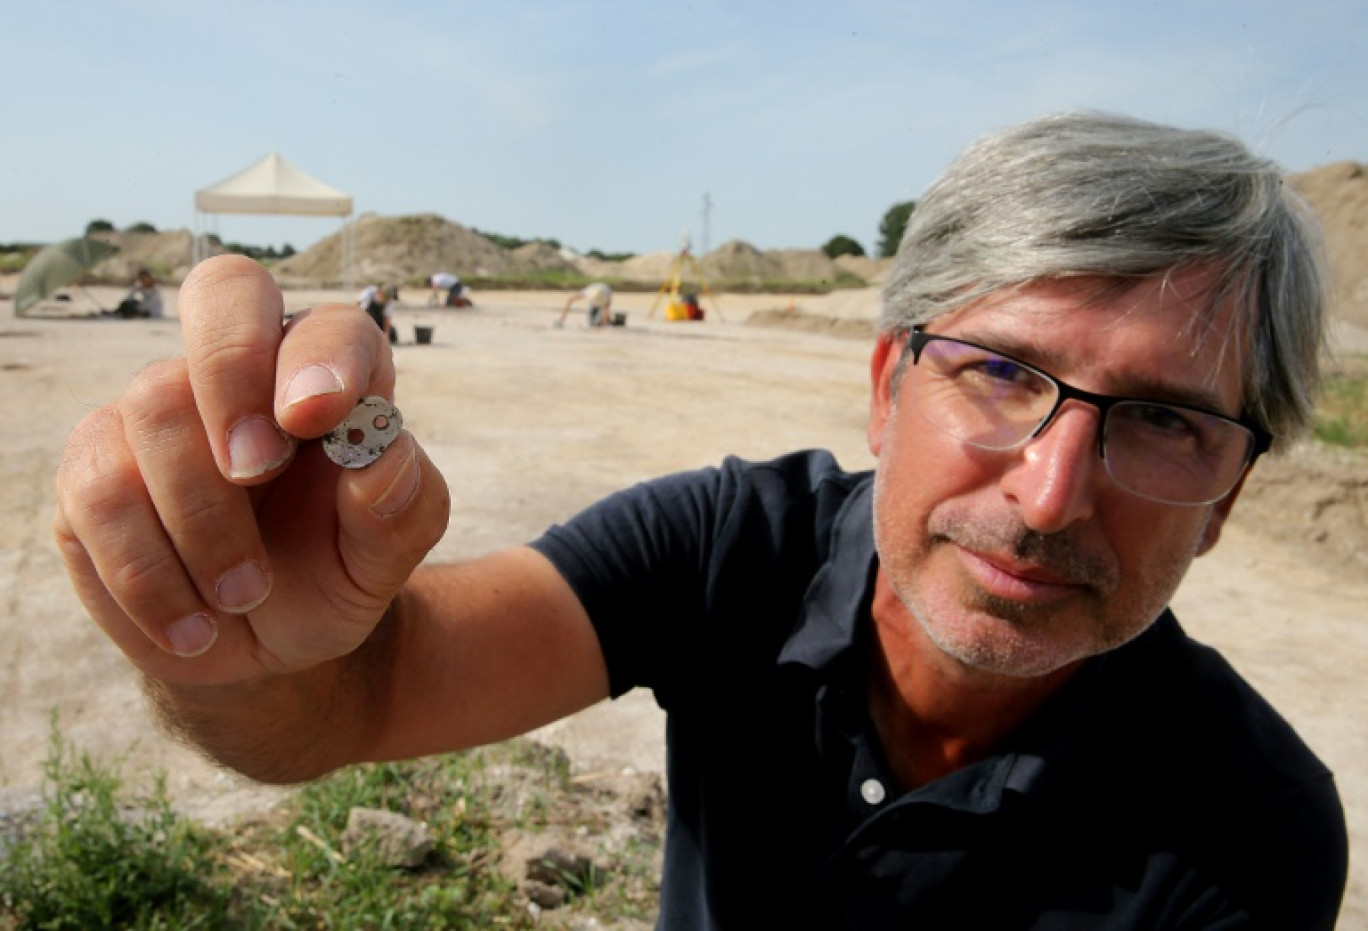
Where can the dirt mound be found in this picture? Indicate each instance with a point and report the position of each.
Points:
(167, 255)
(542, 257)
(737, 263)
(1315, 498)
(1339, 194)
(400, 249)
(648, 267)
(873, 271)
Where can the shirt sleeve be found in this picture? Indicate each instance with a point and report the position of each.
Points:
(694, 578)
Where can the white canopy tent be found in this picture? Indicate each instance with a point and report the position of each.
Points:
(274, 186)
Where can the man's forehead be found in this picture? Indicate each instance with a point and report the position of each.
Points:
(1165, 334)
(1189, 303)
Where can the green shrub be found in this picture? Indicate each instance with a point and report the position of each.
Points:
(93, 861)
(841, 245)
(1342, 415)
(97, 856)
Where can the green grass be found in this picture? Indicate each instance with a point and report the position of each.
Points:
(94, 858)
(1342, 415)
(11, 263)
(99, 854)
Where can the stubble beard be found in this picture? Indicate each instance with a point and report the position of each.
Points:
(1002, 636)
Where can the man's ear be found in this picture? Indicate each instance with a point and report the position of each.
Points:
(1219, 512)
(882, 364)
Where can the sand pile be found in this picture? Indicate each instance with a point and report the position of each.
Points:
(1339, 194)
(408, 249)
(872, 271)
(168, 255)
(542, 257)
(739, 264)
(399, 249)
(647, 267)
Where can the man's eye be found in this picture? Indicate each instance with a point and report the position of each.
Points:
(1162, 419)
(1002, 369)
(998, 373)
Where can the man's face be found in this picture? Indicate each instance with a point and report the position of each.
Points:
(1025, 561)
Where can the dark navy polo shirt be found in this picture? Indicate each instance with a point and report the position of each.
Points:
(1155, 790)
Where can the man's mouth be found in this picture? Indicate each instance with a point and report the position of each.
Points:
(1013, 580)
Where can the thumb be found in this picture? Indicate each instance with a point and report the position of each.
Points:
(390, 514)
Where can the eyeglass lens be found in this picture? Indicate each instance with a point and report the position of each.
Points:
(1159, 451)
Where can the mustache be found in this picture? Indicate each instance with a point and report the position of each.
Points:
(1057, 553)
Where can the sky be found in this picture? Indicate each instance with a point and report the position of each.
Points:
(610, 125)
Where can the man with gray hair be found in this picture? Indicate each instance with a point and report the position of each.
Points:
(947, 693)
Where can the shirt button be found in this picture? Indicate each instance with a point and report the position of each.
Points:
(873, 791)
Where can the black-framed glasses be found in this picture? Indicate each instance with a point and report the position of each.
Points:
(1170, 453)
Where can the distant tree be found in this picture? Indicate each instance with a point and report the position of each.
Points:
(609, 256)
(259, 253)
(99, 226)
(513, 242)
(892, 226)
(842, 245)
(142, 226)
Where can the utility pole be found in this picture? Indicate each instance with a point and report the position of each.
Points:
(707, 217)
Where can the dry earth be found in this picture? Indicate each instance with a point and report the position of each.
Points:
(530, 423)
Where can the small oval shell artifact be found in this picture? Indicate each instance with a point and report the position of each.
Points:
(366, 433)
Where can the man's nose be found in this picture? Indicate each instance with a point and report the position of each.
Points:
(1054, 478)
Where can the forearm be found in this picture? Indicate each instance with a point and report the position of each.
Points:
(467, 654)
(289, 728)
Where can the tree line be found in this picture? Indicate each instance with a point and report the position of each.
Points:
(253, 252)
(891, 229)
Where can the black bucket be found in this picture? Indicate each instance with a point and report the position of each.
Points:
(423, 335)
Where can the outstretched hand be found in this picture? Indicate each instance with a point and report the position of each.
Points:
(203, 528)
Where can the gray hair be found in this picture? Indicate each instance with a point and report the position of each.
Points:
(1084, 194)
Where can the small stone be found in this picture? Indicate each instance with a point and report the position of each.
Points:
(397, 840)
(544, 895)
(568, 871)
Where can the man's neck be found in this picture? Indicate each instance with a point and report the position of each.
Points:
(934, 714)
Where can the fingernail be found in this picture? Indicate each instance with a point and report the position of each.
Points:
(256, 446)
(192, 635)
(311, 381)
(403, 488)
(242, 588)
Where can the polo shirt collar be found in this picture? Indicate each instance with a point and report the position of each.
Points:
(839, 595)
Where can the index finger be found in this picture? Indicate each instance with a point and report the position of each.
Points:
(231, 317)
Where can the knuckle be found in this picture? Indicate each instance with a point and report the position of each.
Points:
(207, 514)
(144, 576)
(84, 436)
(69, 545)
(235, 351)
(159, 409)
(95, 466)
(100, 494)
(159, 389)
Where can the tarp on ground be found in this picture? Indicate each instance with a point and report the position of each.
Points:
(273, 186)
